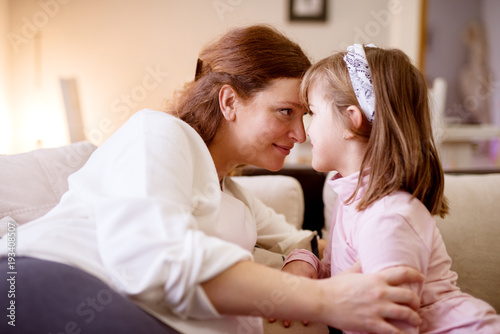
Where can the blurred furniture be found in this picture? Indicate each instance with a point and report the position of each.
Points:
(69, 89)
(459, 143)
(456, 142)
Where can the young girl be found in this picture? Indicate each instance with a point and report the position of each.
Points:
(371, 124)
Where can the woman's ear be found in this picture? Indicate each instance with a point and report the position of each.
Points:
(227, 102)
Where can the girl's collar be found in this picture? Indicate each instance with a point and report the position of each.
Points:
(345, 186)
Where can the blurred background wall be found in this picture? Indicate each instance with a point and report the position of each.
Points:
(126, 55)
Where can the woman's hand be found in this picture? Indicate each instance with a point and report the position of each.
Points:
(365, 302)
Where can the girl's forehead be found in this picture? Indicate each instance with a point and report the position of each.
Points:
(318, 83)
(318, 89)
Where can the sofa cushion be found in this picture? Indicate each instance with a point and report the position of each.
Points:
(471, 233)
(282, 193)
(32, 183)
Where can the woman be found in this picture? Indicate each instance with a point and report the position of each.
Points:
(154, 217)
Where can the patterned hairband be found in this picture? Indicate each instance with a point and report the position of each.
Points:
(361, 78)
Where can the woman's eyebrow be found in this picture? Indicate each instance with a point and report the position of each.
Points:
(294, 104)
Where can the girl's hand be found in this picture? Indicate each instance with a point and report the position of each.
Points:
(299, 268)
(322, 243)
(287, 323)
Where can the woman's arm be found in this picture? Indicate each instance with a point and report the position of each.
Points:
(152, 186)
(349, 301)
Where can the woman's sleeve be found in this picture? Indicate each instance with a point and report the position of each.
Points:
(274, 233)
(143, 185)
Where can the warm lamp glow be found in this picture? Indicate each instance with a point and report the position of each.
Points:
(41, 124)
(5, 132)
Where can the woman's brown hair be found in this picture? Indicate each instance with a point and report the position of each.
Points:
(401, 153)
(246, 59)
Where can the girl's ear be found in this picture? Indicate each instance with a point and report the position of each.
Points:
(227, 102)
(356, 117)
(356, 121)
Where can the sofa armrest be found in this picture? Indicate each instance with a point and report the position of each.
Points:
(32, 183)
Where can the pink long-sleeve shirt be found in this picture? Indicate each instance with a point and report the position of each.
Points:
(394, 231)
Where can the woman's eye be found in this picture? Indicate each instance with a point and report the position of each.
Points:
(286, 111)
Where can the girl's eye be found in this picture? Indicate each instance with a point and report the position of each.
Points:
(286, 111)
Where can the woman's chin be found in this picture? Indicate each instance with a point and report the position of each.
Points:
(272, 166)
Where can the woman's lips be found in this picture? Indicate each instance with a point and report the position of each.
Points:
(283, 149)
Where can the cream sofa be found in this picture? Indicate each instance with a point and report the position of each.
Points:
(32, 183)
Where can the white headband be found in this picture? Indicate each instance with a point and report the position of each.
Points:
(361, 78)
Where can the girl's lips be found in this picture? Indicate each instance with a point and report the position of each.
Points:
(283, 149)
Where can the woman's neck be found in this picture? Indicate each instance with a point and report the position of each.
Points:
(222, 157)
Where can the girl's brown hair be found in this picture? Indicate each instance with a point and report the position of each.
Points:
(401, 152)
(246, 59)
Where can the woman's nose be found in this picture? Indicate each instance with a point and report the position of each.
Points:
(298, 133)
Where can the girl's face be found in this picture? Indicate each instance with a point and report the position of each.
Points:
(269, 124)
(326, 132)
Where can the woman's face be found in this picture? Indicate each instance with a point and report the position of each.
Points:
(269, 124)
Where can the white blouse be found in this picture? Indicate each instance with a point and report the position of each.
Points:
(146, 215)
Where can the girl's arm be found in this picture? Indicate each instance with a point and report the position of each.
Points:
(399, 235)
(304, 263)
(349, 301)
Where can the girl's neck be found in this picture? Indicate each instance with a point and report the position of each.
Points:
(353, 158)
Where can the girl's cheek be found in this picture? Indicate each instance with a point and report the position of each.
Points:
(310, 129)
